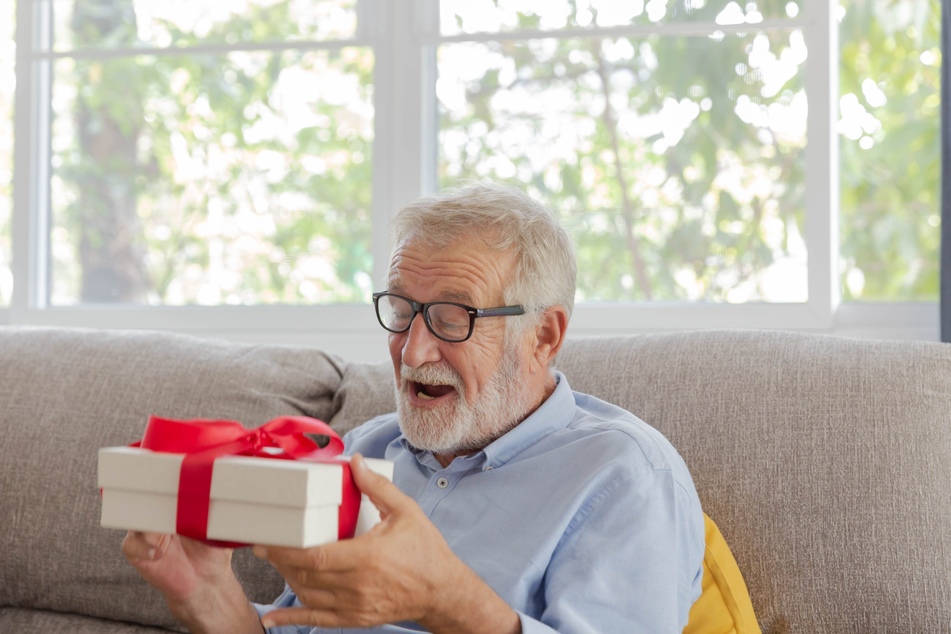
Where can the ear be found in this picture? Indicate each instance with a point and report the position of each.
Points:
(550, 334)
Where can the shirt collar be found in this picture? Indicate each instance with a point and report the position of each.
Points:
(553, 414)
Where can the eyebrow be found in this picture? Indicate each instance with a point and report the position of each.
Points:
(452, 296)
(462, 298)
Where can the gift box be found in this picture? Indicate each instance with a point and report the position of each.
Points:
(245, 499)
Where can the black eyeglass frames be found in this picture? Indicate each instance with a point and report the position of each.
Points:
(448, 321)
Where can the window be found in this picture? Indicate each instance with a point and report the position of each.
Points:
(231, 166)
(670, 137)
(209, 153)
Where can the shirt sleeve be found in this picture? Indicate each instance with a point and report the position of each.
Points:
(287, 599)
(532, 626)
(630, 561)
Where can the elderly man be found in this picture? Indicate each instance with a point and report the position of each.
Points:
(517, 504)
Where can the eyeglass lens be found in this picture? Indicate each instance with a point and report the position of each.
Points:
(449, 321)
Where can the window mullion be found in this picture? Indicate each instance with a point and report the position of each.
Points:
(30, 227)
(427, 20)
(822, 159)
(400, 103)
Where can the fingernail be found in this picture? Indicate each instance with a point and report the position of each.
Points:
(357, 461)
(267, 623)
(152, 552)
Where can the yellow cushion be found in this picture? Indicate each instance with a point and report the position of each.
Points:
(724, 606)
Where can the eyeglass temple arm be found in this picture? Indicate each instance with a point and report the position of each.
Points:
(502, 311)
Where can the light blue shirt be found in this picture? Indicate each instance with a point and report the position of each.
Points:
(583, 518)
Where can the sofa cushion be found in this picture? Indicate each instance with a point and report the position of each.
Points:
(65, 394)
(19, 620)
(826, 462)
(724, 606)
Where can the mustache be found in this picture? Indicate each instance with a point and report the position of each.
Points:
(430, 375)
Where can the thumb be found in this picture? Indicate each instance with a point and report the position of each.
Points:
(386, 497)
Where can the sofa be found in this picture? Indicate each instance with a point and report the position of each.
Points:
(825, 461)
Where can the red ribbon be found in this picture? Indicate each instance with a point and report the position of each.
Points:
(202, 441)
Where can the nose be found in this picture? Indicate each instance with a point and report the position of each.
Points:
(420, 346)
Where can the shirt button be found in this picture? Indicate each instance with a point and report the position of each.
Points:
(442, 483)
(489, 468)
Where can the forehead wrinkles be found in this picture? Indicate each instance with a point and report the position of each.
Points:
(476, 270)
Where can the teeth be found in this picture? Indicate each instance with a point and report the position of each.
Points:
(424, 396)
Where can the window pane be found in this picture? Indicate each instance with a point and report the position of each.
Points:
(505, 16)
(7, 84)
(890, 147)
(676, 162)
(161, 23)
(240, 178)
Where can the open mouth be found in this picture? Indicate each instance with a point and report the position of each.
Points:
(426, 392)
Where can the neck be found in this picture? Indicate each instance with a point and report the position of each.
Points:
(445, 459)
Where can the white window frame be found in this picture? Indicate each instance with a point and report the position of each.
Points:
(405, 35)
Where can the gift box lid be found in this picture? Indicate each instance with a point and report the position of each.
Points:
(298, 483)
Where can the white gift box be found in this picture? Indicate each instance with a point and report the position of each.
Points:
(253, 500)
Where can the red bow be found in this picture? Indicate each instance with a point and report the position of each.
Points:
(202, 441)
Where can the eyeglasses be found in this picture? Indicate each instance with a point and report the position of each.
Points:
(448, 321)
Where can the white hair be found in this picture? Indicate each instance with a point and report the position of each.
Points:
(506, 220)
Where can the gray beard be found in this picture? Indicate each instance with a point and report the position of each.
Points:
(460, 427)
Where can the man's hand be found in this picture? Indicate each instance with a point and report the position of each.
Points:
(402, 570)
(179, 567)
(196, 579)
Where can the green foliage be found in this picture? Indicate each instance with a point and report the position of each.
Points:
(890, 175)
(644, 189)
(251, 187)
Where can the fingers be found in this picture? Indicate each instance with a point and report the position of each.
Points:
(323, 609)
(298, 616)
(138, 546)
(386, 497)
(336, 557)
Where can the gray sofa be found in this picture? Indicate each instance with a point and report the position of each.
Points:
(825, 461)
